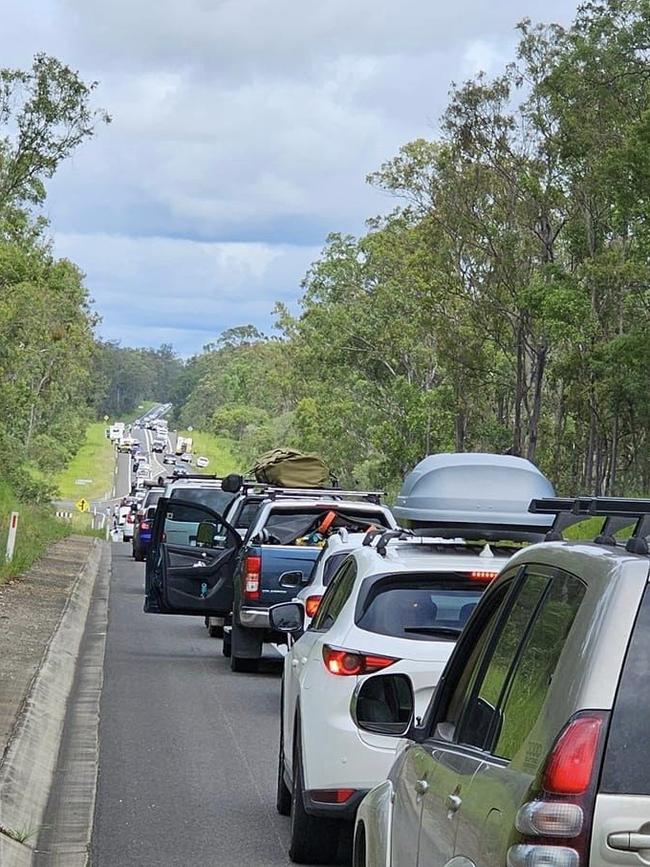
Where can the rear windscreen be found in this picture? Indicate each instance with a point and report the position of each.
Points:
(152, 498)
(313, 525)
(429, 608)
(213, 498)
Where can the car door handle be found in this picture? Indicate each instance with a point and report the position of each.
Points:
(629, 841)
(421, 787)
(453, 803)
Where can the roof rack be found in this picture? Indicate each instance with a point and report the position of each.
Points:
(203, 476)
(273, 492)
(618, 513)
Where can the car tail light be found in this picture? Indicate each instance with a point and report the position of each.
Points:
(130, 519)
(311, 605)
(555, 825)
(483, 575)
(331, 796)
(349, 662)
(252, 567)
(145, 525)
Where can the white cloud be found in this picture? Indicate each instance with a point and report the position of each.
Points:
(249, 121)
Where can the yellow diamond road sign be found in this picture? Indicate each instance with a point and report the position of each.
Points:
(83, 505)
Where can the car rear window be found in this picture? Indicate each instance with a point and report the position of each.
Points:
(312, 525)
(625, 771)
(213, 498)
(421, 607)
(151, 498)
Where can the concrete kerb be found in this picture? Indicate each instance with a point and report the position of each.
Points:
(29, 762)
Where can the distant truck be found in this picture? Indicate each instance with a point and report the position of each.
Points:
(116, 431)
(183, 445)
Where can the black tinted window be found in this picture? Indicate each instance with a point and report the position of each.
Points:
(331, 565)
(213, 498)
(335, 597)
(420, 607)
(537, 662)
(481, 710)
(152, 498)
(625, 769)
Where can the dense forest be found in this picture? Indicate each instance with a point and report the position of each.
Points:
(502, 304)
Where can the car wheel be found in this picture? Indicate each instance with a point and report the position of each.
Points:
(215, 631)
(313, 840)
(283, 795)
(226, 648)
(359, 852)
(239, 662)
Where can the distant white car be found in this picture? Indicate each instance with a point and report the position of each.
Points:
(397, 606)
(187, 457)
(338, 547)
(128, 527)
(202, 462)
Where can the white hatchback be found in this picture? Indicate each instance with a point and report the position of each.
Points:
(397, 604)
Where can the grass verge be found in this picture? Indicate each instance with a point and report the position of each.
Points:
(95, 460)
(217, 449)
(37, 528)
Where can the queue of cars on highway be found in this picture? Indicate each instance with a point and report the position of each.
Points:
(450, 691)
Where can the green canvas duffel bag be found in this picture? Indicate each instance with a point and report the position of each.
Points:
(288, 468)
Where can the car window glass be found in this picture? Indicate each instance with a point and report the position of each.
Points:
(537, 662)
(331, 565)
(625, 769)
(479, 714)
(420, 607)
(194, 527)
(335, 596)
(213, 498)
(477, 642)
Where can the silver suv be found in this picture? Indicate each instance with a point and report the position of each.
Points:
(534, 749)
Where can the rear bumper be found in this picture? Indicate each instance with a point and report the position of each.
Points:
(254, 618)
(346, 811)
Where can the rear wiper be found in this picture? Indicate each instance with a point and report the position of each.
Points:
(434, 630)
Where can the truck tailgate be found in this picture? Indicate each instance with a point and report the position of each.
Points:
(278, 559)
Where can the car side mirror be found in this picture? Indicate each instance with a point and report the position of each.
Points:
(205, 534)
(293, 579)
(384, 704)
(287, 617)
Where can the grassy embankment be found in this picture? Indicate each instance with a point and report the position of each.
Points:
(218, 449)
(95, 460)
(37, 528)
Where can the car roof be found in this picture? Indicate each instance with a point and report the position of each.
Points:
(427, 555)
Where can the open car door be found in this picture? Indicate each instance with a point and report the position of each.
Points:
(193, 554)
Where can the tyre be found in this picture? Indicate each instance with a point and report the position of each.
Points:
(359, 852)
(313, 840)
(242, 639)
(227, 645)
(138, 555)
(215, 631)
(283, 795)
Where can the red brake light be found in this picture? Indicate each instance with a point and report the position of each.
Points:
(252, 567)
(145, 525)
(331, 796)
(570, 766)
(311, 605)
(348, 662)
(483, 575)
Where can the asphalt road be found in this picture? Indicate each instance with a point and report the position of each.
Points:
(188, 749)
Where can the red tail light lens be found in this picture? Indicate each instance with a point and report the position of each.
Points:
(483, 575)
(570, 766)
(311, 605)
(252, 567)
(348, 662)
(331, 796)
(145, 525)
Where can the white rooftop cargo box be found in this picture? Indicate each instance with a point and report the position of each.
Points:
(474, 495)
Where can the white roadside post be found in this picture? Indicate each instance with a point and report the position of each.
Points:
(11, 538)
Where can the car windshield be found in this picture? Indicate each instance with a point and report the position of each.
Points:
(426, 608)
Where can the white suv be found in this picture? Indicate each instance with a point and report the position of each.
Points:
(395, 604)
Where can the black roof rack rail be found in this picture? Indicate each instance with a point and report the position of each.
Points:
(372, 534)
(567, 510)
(387, 535)
(273, 492)
(636, 511)
(203, 476)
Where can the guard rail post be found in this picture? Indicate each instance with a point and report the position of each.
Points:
(11, 537)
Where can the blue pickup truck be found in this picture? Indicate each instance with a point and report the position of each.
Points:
(260, 552)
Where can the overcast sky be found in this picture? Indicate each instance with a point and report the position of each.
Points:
(242, 134)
